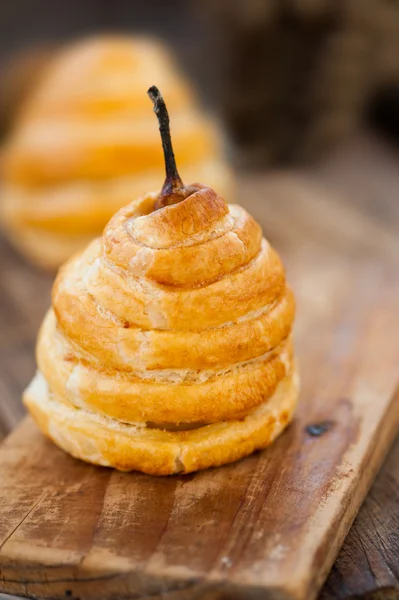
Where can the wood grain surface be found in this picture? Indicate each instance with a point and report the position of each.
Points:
(331, 245)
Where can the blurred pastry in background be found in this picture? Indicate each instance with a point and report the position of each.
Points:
(84, 144)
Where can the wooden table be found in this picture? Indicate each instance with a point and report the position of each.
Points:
(358, 187)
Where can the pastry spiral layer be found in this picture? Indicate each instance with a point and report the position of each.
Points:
(168, 346)
(85, 145)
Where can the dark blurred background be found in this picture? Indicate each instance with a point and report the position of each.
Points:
(291, 79)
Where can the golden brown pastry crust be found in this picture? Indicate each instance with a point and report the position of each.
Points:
(170, 395)
(132, 349)
(86, 144)
(131, 447)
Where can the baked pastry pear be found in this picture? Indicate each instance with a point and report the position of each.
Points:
(168, 346)
(85, 145)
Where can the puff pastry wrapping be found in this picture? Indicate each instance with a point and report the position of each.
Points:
(85, 145)
(168, 346)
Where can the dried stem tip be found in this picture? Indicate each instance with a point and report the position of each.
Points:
(173, 188)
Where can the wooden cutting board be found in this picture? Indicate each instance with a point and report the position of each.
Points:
(269, 526)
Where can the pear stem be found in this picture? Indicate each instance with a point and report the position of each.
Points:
(172, 183)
